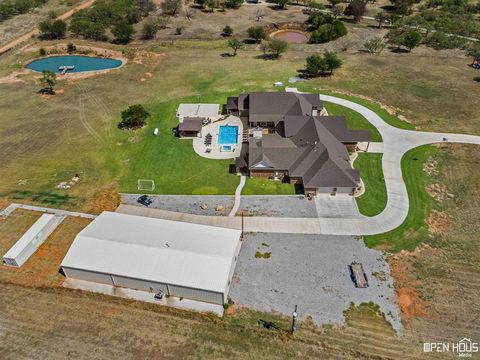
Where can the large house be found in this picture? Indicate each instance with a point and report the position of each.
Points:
(288, 136)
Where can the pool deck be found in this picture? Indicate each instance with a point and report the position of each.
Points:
(213, 128)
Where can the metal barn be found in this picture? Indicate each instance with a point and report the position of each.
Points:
(180, 259)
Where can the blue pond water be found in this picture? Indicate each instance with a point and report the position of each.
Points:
(227, 135)
(81, 63)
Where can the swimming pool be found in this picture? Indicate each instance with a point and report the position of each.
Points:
(79, 63)
(227, 135)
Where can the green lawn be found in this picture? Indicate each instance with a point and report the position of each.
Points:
(355, 120)
(414, 229)
(259, 185)
(374, 200)
(171, 162)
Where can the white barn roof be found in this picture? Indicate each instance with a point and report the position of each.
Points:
(172, 252)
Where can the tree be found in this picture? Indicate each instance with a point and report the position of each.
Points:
(48, 79)
(411, 39)
(332, 61)
(52, 29)
(375, 45)
(257, 33)
(227, 30)
(264, 48)
(134, 117)
(235, 44)
(315, 65)
(334, 3)
(172, 7)
(71, 48)
(473, 51)
(277, 47)
(382, 17)
(357, 9)
(337, 10)
(189, 13)
(282, 4)
(149, 29)
(122, 32)
(233, 3)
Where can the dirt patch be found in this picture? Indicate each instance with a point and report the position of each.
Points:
(438, 223)
(107, 199)
(144, 57)
(4, 203)
(406, 287)
(390, 109)
(430, 166)
(439, 192)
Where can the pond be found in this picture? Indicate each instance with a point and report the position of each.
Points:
(291, 36)
(73, 64)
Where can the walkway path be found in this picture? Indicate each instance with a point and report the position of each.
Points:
(396, 143)
(238, 193)
(9, 209)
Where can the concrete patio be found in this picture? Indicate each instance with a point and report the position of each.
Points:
(215, 149)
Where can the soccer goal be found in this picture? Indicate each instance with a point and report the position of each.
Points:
(145, 185)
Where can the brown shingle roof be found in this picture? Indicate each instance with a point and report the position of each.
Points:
(191, 124)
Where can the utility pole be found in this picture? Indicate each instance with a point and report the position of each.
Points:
(294, 319)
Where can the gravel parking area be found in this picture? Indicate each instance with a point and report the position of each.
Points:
(311, 271)
(190, 204)
(278, 206)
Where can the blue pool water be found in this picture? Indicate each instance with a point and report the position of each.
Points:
(227, 135)
(81, 63)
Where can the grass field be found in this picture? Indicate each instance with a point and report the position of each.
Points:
(374, 200)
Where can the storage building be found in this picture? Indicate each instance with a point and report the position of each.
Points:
(180, 259)
(31, 240)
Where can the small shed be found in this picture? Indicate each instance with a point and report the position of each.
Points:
(190, 127)
(30, 241)
(176, 258)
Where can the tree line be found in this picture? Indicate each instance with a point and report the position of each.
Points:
(10, 8)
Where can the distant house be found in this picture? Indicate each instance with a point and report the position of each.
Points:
(289, 137)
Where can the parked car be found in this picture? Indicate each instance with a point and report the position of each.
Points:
(144, 200)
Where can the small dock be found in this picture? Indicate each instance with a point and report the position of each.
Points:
(65, 68)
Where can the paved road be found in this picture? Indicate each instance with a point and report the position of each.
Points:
(396, 143)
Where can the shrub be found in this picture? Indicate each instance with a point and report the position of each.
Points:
(227, 30)
(134, 117)
(149, 30)
(71, 48)
(477, 79)
(257, 33)
(277, 47)
(178, 30)
(122, 32)
(233, 3)
(42, 52)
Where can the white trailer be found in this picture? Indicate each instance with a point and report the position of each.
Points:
(31, 240)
